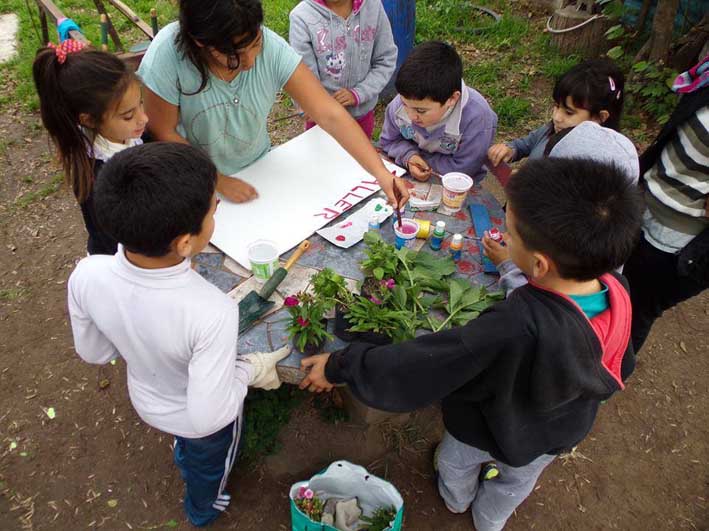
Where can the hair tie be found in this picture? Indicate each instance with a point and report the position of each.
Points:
(617, 96)
(65, 48)
(611, 83)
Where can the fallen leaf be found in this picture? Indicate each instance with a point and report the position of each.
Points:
(113, 362)
(51, 413)
(13, 445)
(112, 503)
(171, 523)
(23, 454)
(683, 346)
(104, 383)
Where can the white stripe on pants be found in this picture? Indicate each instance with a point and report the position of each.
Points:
(492, 501)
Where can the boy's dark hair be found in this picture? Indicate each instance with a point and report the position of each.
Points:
(217, 24)
(433, 70)
(88, 82)
(583, 214)
(149, 195)
(594, 85)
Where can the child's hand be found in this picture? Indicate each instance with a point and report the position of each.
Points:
(496, 252)
(344, 97)
(315, 381)
(419, 168)
(500, 153)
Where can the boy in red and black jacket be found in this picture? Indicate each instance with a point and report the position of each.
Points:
(522, 382)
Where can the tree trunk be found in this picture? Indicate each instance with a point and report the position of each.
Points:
(688, 49)
(662, 26)
(644, 10)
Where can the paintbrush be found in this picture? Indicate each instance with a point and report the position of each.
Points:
(397, 198)
(429, 169)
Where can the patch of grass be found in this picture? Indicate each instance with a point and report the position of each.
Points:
(511, 110)
(275, 14)
(330, 412)
(12, 294)
(265, 413)
(19, 71)
(48, 189)
(555, 66)
(27, 179)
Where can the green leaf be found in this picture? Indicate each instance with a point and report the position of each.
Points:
(455, 293)
(641, 66)
(615, 53)
(399, 294)
(378, 273)
(614, 32)
(173, 523)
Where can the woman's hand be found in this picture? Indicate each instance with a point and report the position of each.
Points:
(234, 189)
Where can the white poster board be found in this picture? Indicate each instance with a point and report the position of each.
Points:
(302, 185)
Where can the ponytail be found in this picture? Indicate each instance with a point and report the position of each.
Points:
(81, 85)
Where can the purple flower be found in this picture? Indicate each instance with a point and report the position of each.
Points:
(291, 300)
(302, 322)
(375, 300)
(308, 494)
(389, 283)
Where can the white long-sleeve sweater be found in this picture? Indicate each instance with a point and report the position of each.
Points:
(177, 334)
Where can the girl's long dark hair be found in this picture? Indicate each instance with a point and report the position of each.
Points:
(89, 82)
(225, 25)
(595, 85)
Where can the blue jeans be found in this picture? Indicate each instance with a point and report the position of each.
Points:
(205, 465)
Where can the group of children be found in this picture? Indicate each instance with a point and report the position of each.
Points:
(519, 384)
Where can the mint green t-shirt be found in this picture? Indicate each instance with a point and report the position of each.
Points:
(226, 120)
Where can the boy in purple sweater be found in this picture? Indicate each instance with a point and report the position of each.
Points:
(437, 122)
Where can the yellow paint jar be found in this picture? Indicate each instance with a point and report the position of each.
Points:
(424, 228)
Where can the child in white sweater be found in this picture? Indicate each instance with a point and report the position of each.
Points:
(176, 332)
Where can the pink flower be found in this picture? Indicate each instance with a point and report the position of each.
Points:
(375, 300)
(308, 494)
(301, 492)
(291, 300)
(389, 283)
(302, 322)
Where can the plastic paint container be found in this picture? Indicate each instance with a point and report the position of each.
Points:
(438, 234)
(263, 256)
(456, 248)
(455, 190)
(406, 234)
(424, 228)
(374, 222)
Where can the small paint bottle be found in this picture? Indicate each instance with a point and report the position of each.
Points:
(456, 248)
(439, 232)
(374, 222)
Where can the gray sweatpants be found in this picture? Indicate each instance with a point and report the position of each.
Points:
(492, 501)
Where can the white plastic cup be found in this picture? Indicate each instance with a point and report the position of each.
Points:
(263, 257)
(405, 235)
(455, 190)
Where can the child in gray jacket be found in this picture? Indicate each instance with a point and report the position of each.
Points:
(592, 90)
(349, 46)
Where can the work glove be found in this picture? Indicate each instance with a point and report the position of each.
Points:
(265, 375)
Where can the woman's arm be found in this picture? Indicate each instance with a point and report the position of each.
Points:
(163, 118)
(307, 91)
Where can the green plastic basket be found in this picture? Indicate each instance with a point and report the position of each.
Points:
(344, 480)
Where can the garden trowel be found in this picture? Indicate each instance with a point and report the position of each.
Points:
(254, 305)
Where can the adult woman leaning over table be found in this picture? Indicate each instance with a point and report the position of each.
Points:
(211, 79)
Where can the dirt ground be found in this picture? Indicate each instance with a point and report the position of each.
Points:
(96, 465)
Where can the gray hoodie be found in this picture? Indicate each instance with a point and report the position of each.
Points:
(357, 53)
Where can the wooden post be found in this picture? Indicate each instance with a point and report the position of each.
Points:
(117, 44)
(154, 21)
(104, 32)
(43, 25)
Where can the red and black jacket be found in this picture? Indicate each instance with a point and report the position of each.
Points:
(523, 379)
